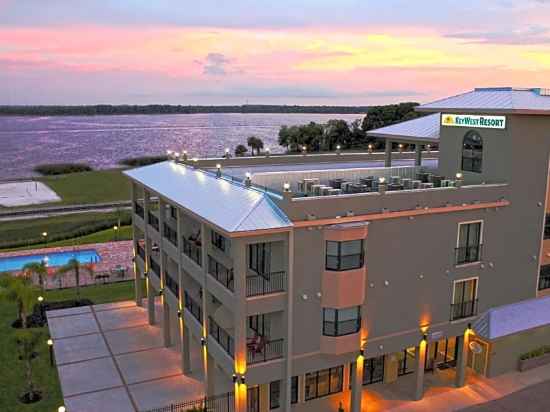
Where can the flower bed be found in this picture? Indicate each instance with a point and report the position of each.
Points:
(534, 358)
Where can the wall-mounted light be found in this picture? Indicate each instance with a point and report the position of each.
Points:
(179, 313)
(161, 291)
(286, 187)
(424, 338)
(234, 378)
(243, 379)
(203, 341)
(362, 352)
(145, 274)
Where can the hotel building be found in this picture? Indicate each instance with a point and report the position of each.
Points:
(307, 277)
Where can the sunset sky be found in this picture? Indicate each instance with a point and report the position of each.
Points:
(342, 52)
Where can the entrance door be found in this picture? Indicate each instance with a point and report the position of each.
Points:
(478, 356)
(253, 399)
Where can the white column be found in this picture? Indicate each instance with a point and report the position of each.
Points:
(462, 343)
(419, 372)
(357, 385)
(387, 159)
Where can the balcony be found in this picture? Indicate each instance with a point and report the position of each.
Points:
(464, 309)
(155, 267)
(265, 284)
(172, 284)
(220, 335)
(153, 221)
(468, 254)
(221, 273)
(192, 251)
(138, 209)
(263, 350)
(193, 307)
(170, 234)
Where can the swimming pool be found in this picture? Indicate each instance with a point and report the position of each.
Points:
(16, 263)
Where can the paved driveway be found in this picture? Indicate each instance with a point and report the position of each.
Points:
(110, 359)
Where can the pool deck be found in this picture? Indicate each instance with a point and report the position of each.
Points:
(113, 255)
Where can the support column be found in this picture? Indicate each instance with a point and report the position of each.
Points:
(286, 384)
(462, 343)
(166, 327)
(418, 154)
(211, 387)
(387, 159)
(150, 303)
(138, 292)
(185, 349)
(420, 351)
(357, 385)
(205, 311)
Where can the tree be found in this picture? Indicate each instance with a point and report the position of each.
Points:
(75, 267)
(27, 342)
(380, 116)
(40, 270)
(240, 150)
(358, 137)
(255, 143)
(336, 133)
(19, 290)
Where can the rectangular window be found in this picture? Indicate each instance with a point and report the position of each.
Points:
(344, 255)
(218, 240)
(173, 212)
(373, 370)
(294, 390)
(258, 324)
(464, 302)
(324, 382)
(274, 394)
(259, 258)
(341, 322)
(544, 277)
(469, 243)
(547, 227)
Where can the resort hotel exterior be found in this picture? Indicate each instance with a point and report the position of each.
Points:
(305, 278)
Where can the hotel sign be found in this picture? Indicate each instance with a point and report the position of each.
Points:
(465, 120)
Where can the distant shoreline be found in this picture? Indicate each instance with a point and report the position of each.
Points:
(103, 109)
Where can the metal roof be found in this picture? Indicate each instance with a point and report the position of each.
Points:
(229, 206)
(500, 100)
(422, 129)
(516, 317)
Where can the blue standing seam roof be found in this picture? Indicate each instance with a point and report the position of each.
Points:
(229, 206)
(513, 318)
(424, 129)
(499, 99)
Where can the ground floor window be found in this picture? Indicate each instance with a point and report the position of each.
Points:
(253, 399)
(406, 361)
(324, 382)
(274, 394)
(373, 370)
(544, 277)
(441, 354)
(294, 390)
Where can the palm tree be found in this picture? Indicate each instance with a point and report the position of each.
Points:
(27, 343)
(74, 266)
(40, 270)
(19, 290)
(255, 143)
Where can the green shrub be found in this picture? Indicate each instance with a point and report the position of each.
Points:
(142, 161)
(61, 168)
(535, 353)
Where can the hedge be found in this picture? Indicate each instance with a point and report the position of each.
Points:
(142, 161)
(62, 168)
(535, 353)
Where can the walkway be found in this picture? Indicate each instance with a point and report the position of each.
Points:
(110, 359)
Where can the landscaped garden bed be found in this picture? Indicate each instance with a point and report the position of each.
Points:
(535, 358)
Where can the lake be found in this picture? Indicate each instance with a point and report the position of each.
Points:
(102, 141)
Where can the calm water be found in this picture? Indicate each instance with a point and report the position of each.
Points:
(102, 141)
(15, 263)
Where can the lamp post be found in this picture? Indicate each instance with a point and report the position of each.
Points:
(61, 409)
(45, 237)
(115, 229)
(41, 305)
(50, 347)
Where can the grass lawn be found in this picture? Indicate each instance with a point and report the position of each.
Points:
(107, 235)
(98, 186)
(23, 233)
(46, 379)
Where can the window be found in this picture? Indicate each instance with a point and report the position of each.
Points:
(324, 382)
(259, 258)
(373, 370)
(472, 152)
(464, 302)
(258, 324)
(173, 212)
(344, 255)
(341, 322)
(218, 240)
(294, 390)
(274, 394)
(547, 227)
(469, 243)
(544, 277)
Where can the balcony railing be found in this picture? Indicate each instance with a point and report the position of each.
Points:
(153, 221)
(468, 254)
(463, 309)
(192, 251)
(193, 306)
(266, 284)
(222, 337)
(264, 351)
(138, 208)
(172, 284)
(155, 267)
(140, 251)
(221, 273)
(170, 234)
(544, 281)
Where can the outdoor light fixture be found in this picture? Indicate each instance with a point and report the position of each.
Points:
(248, 179)
(145, 274)
(370, 147)
(61, 409)
(49, 342)
(243, 380)
(304, 149)
(184, 155)
(40, 299)
(234, 378)
(203, 341)
(218, 170)
(50, 349)
(168, 152)
(161, 291)
(428, 147)
(267, 151)
(425, 338)
(176, 155)
(400, 147)
(286, 187)
(382, 180)
(459, 175)
(458, 182)
(362, 352)
(44, 234)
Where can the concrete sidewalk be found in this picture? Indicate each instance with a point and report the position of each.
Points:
(110, 359)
